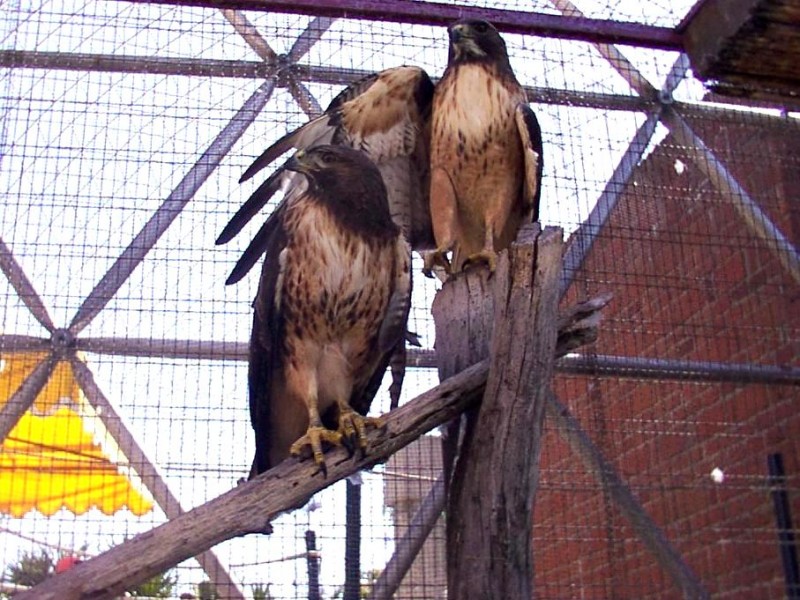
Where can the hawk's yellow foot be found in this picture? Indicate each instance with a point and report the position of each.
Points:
(313, 438)
(353, 428)
(435, 258)
(487, 257)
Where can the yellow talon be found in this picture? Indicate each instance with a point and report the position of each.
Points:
(433, 259)
(313, 439)
(353, 427)
(488, 257)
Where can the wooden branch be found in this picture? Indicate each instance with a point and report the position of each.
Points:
(489, 518)
(249, 507)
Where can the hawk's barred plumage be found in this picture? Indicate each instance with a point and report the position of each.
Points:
(331, 306)
(486, 151)
(387, 116)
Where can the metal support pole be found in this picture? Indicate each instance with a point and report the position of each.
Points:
(310, 36)
(119, 272)
(783, 521)
(607, 365)
(582, 240)
(23, 343)
(352, 550)
(705, 160)
(254, 39)
(598, 466)
(612, 54)
(647, 530)
(22, 285)
(659, 369)
(442, 14)
(25, 395)
(756, 219)
(409, 545)
(312, 560)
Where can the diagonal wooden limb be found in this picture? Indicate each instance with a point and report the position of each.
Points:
(122, 268)
(244, 509)
(237, 512)
(147, 472)
(22, 285)
(25, 395)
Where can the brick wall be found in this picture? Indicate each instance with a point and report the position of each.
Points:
(690, 281)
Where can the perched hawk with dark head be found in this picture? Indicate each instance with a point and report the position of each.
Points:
(331, 306)
(386, 115)
(486, 151)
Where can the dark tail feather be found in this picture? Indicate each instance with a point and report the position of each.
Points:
(398, 367)
(249, 209)
(284, 144)
(254, 251)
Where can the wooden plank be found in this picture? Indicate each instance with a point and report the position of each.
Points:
(711, 27)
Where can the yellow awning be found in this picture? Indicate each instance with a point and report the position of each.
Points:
(50, 459)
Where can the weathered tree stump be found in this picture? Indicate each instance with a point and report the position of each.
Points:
(512, 317)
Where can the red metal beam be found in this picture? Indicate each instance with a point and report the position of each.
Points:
(437, 14)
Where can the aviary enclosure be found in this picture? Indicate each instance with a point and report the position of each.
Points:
(669, 460)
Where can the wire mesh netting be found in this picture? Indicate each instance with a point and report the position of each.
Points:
(125, 129)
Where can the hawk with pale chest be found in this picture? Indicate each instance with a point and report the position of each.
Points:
(486, 152)
(332, 303)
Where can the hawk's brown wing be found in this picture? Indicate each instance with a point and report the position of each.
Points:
(386, 116)
(531, 137)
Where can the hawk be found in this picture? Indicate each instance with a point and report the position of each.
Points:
(332, 303)
(387, 116)
(486, 151)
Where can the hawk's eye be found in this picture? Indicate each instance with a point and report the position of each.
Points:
(481, 27)
(326, 157)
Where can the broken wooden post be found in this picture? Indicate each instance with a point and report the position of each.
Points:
(513, 316)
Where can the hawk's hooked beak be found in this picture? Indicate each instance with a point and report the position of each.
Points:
(297, 162)
(458, 32)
